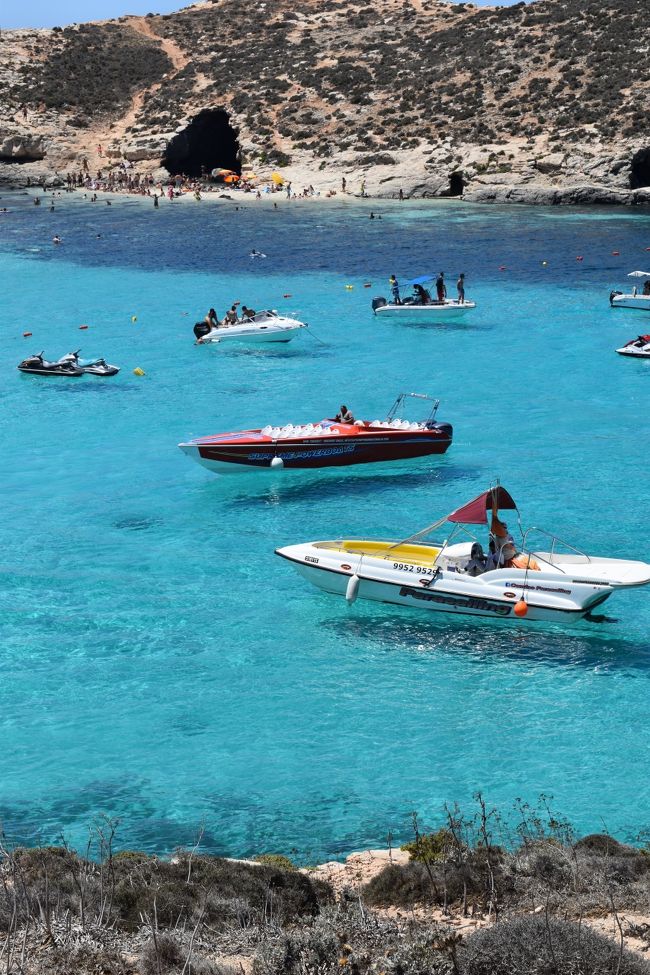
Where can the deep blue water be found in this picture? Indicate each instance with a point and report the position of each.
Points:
(160, 665)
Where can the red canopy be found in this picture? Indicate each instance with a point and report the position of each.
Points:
(475, 512)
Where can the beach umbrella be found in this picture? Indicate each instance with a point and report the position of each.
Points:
(421, 279)
(277, 179)
(639, 274)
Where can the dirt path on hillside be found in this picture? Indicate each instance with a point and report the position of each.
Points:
(101, 134)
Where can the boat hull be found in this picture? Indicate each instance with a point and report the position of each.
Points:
(398, 579)
(634, 302)
(257, 333)
(318, 452)
(426, 313)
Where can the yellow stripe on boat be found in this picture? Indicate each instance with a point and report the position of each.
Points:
(412, 554)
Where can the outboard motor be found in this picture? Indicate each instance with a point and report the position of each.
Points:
(444, 428)
(378, 302)
(201, 329)
(614, 294)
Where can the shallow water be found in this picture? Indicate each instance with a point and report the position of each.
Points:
(160, 665)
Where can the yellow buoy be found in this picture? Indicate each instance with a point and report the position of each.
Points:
(349, 287)
(138, 371)
(134, 318)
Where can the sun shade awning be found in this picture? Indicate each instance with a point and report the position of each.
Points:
(475, 512)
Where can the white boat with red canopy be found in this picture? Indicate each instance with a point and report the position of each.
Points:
(556, 583)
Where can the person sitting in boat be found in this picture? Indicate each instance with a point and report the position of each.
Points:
(230, 318)
(247, 314)
(211, 319)
(512, 559)
(344, 415)
(646, 288)
(422, 296)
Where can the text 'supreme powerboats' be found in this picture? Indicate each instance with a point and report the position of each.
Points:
(265, 326)
(328, 443)
(638, 348)
(558, 583)
(640, 301)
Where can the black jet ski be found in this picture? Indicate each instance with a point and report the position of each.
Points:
(38, 366)
(94, 367)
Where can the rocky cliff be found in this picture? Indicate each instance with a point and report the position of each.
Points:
(545, 102)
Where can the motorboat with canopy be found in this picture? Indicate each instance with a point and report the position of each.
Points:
(638, 348)
(634, 299)
(420, 306)
(326, 443)
(556, 582)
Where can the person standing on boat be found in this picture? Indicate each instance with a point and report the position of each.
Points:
(394, 289)
(460, 285)
(441, 288)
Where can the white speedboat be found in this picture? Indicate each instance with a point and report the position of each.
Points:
(558, 583)
(412, 310)
(638, 348)
(634, 299)
(266, 326)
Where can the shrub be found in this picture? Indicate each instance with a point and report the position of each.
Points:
(536, 945)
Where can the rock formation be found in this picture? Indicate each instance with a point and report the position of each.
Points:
(543, 103)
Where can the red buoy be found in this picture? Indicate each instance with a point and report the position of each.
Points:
(83, 327)
(26, 335)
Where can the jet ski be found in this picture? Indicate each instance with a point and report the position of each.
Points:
(94, 367)
(38, 366)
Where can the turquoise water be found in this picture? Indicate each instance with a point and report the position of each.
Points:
(160, 665)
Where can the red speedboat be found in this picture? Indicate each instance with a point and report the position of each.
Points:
(328, 443)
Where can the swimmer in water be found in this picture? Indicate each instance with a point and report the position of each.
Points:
(56, 239)
(255, 253)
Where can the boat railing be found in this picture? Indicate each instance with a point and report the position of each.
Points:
(392, 413)
(555, 541)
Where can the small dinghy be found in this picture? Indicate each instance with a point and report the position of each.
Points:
(328, 443)
(265, 326)
(638, 348)
(633, 300)
(556, 584)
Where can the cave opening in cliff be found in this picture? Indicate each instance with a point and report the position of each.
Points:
(456, 185)
(640, 173)
(209, 142)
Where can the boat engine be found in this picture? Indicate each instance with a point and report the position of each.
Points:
(201, 329)
(378, 302)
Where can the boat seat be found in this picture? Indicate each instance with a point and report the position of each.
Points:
(477, 561)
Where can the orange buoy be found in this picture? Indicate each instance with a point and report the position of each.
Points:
(26, 335)
(521, 608)
(83, 327)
